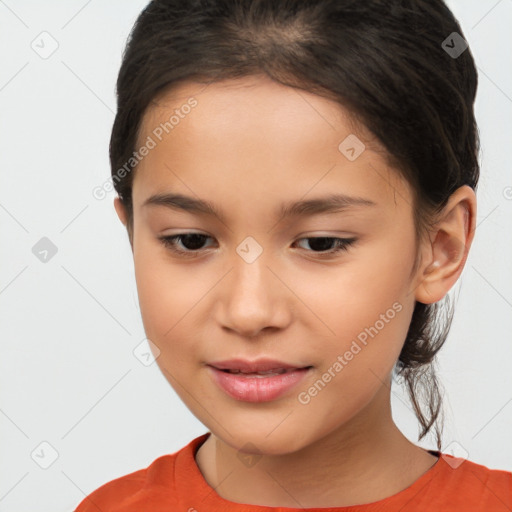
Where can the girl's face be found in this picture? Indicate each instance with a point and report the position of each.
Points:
(258, 285)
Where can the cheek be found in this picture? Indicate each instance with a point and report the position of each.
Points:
(367, 289)
(365, 347)
(354, 365)
(170, 294)
(366, 312)
(165, 292)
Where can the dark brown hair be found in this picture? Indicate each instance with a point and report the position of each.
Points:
(381, 60)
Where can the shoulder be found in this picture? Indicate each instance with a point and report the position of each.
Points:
(152, 485)
(121, 492)
(474, 486)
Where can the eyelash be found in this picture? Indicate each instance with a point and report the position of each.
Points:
(342, 244)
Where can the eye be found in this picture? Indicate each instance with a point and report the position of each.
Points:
(322, 244)
(192, 243)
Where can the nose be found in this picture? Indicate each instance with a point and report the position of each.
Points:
(254, 299)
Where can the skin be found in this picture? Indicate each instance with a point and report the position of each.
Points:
(249, 145)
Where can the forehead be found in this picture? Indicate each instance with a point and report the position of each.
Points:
(275, 104)
(256, 137)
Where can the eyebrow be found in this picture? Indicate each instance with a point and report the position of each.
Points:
(333, 203)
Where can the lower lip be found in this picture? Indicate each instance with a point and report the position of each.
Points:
(257, 389)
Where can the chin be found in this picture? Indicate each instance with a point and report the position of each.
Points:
(259, 442)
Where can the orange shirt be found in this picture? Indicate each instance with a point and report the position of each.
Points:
(174, 483)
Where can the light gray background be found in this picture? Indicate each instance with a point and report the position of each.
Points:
(68, 327)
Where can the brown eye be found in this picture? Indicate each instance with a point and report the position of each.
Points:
(324, 245)
(190, 242)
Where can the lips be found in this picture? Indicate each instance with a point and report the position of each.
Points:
(261, 386)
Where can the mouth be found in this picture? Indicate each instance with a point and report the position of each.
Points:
(262, 366)
(267, 373)
(252, 383)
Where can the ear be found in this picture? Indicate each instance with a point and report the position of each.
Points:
(447, 252)
(121, 212)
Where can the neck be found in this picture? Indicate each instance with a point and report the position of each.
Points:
(333, 471)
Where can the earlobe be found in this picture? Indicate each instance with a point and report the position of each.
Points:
(448, 252)
(121, 212)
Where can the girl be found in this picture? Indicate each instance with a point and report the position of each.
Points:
(297, 179)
